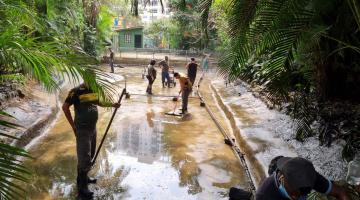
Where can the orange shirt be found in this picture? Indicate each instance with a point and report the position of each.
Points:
(185, 83)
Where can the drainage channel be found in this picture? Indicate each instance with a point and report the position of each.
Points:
(227, 139)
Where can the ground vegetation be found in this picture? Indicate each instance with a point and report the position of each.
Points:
(44, 41)
(304, 57)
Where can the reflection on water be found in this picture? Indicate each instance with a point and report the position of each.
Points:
(141, 140)
(146, 155)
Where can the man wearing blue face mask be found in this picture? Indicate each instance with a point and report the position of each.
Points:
(294, 179)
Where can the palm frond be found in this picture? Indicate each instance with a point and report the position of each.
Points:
(45, 56)
(272, 32)
(11, 167)
(355, 9)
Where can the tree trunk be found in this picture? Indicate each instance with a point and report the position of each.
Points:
(321, 81)
(90, 13)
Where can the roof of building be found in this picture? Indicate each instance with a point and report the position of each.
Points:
(127, 29)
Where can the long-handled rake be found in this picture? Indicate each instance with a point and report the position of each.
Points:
(107, 128)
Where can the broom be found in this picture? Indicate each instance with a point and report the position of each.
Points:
(173, 113)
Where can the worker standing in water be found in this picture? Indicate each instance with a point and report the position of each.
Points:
(111, 60)
(191, 68)
(164, 64)
(85, 103)
(185, 89)
(205, 63)
(151, 76)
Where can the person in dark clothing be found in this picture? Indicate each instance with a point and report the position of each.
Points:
(151, 76)
(191, 70)
(85, 103)
(185, 89)
(111, 60)
(164, 64)
(295, 178)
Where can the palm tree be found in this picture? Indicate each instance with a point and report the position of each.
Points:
(30, 44)
(294, 47)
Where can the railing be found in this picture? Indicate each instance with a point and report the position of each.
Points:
(157, 53)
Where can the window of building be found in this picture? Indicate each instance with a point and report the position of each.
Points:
(127, 38)
(154, 3)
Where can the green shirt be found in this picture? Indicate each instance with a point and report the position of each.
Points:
(85, 102)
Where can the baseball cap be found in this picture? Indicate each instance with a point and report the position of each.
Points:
(298, 172)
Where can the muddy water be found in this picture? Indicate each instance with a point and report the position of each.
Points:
(147, 155)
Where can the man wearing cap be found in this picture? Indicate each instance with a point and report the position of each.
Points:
(294, 179)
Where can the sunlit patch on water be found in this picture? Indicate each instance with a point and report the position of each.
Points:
(61, 189)
(165, 121)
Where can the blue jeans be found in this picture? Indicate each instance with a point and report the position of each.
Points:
(165, 75)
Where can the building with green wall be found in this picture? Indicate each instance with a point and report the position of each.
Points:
(131, 37)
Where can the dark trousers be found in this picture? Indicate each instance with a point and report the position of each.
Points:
(165, 75)
(185, 97)
(112, 66)
(149, 87)
(85, 148)
(192, 79)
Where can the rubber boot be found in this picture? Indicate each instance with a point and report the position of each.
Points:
(82, 181)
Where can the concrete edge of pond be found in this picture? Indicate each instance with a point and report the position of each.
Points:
(35, 113)
(257, 174)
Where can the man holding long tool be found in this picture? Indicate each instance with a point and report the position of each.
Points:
(85, 102)
(185, 89)
(164, 64)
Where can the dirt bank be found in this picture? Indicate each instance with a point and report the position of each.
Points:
(33, 112)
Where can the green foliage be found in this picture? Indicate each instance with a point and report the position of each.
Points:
(11, 167)
(164, 31)
(42, 40)
(103, 26)
(299, 51)
(66, 20)
(192, 18)
(18, 78)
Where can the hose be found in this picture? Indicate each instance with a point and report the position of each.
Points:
(229, 141)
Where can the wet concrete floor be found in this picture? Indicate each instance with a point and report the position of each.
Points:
(147, 154)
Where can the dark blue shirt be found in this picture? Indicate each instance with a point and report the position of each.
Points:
(269, 189)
